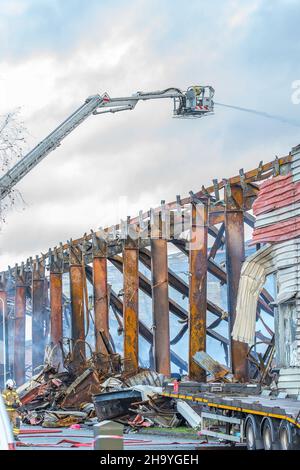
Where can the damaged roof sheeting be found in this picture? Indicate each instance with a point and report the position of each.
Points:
(277, 207)
(282, 258)
(215, 370)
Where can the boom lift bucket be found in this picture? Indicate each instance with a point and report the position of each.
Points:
(197, 101)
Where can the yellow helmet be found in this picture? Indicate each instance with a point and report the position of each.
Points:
(197, 89)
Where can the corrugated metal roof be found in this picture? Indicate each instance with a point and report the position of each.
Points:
(277, 207)
(253, 276)
(295, 167)
(277, 211)
(211, 366)
(278, 215)
(276, 232)
(279, 192)
(282, 258)
(289, 380)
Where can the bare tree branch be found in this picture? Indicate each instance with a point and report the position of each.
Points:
(12, 144)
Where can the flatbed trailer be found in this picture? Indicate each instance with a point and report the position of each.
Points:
(260, 421)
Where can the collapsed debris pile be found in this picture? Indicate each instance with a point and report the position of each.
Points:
(66, 393)
(61, 396)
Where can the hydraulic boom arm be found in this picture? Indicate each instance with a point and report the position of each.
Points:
(195, 102)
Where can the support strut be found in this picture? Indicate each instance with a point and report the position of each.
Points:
(101, 308)
(198, 287)
(235, 255)
(130, 305)
(20, 315)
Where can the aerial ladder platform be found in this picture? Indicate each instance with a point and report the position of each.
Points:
(195, 102)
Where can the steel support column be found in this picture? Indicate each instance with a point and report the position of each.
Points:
(160, 306)
(56, 292)
(4, 332)
(235, 255)
(198, 287)
(38, 314)
(130, 305)
(101, 308)
(20, 322)
(77, 304)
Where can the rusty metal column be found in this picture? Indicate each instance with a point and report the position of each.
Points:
(101, 307)
(4, 321)
(10, 322)
(130, 304)
(160, 305)
(38, 312)
(198, 286)
(235, 255)
(20, 322)
(77, 304)
(56, 292)
(46, 303)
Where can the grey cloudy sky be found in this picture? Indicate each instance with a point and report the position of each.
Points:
(55, 53)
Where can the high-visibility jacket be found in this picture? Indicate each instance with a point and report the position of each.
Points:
(11, 399)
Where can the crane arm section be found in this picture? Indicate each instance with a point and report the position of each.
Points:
(195, 102)
(53, 140)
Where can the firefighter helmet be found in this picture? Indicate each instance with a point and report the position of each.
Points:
(10, 384)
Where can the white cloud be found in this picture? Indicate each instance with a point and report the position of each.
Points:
(13, 7)
(241, 12)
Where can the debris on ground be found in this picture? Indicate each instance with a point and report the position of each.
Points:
(189, 414)
(115, 404)
(159, 411)
(68, 394)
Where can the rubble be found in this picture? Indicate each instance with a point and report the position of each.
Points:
(187, 412)
(145, 377)
(115, 404)
(58, 419)
(158, 410)
(216, 371)
(66, 394)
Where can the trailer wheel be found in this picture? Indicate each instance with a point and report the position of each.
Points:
(252, 433)
(288, 437)
(270, 434)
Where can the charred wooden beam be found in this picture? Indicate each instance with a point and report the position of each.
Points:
(56, 296)
(235, 256)
(20, 322)
(198, 287)
(56, 322)
(38, 313)
(160, 305)
(130, 305)
(101, 308)
(77, 304)
(4, 320)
